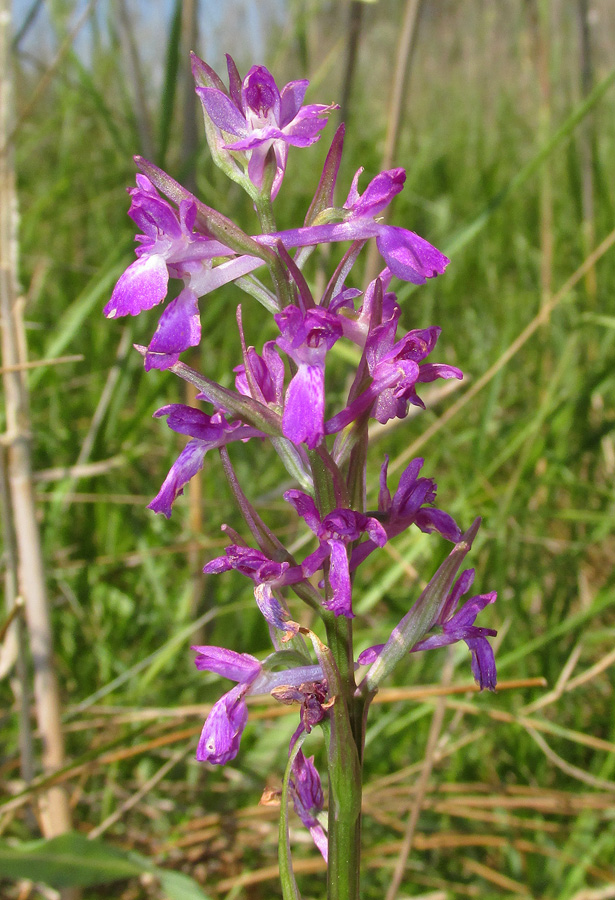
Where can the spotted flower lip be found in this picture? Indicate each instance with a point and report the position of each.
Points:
(255, 116)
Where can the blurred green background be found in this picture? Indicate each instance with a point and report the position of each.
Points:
(506, 129)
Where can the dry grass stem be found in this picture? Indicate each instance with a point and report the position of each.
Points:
(423, 780)
(38, 363)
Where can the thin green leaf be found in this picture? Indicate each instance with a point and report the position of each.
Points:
(70, 860)
(290, 891)
(167, 102)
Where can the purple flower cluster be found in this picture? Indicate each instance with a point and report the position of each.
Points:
(253, 117)
(281, 394)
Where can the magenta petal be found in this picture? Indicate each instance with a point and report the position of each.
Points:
(217, 565)
(470, 610)
(378, 193)
(185, 467)
(260, 93)
(339, 576)
(315, 560)
(433, 371)
(305, 130)
(304, 407)
(483, 663)
(193, 422)
(234, 81)
(430, 520)
(160, 360)
(308, 798)
(221, 734)
(239, 667)
(305, 507)
(179, 326)
(222, 111)
(142, 286)
(369, 655)
(291, 99)
(409, 256)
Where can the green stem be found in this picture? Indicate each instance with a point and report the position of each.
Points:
(343, 872)
(344, 729)
(345, 791)
(345, 768)
(264, 211)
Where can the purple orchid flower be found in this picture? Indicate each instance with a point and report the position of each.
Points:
(335, 532)
(255, 116)
(221, 734)
(458, 626)
(308, 799)
(407, 255)
(396, 369)
(267, 575)
(170, 248)
(407, 507)
(306, 338)
(356, 325)
(208, 432)
(223, 728)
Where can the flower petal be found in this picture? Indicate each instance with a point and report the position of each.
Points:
(142, 286)
(304, 407)
(185, 467)
(291, 98)
(179, 326)
(308, 798)
(409, 256)
(339, 576)
(239, 667)
(221, 734)
(483, 663)
(222, 111)
(305, 507)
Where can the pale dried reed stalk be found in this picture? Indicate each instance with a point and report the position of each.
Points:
(54, 808)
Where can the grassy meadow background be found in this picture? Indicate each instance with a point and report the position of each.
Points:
(508, 140)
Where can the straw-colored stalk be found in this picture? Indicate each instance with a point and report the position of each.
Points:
(54, 808)
(586, 148)
(540, 29)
